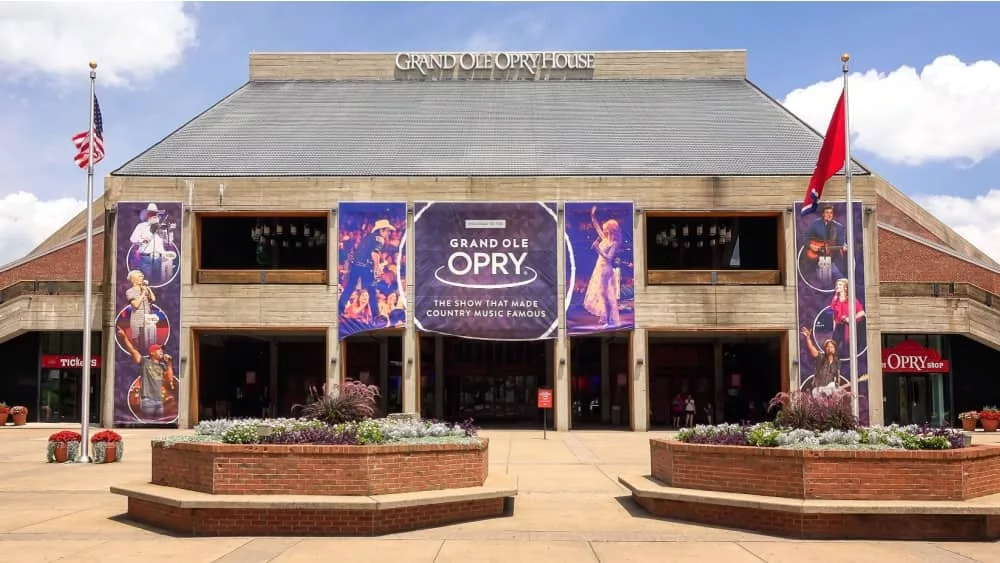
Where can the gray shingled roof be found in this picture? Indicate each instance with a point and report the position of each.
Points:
(480, 128)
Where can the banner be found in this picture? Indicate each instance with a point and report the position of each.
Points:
(822, 300)
(487, 270)
(148, 300)
(371, 266)
(600, 278)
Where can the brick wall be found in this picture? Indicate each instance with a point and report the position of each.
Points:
(829, 525)
(830, 474)
(904, 260)
(319, 470)
(892, 215)
(308, 522)
(65, 264)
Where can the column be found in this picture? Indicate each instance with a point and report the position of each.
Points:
(411, 364)
(333, 368)
(640, 381)
(108, 317)
(562, 392)
(438, 376)
(383, 374)
(719, 400)
(605, 382)
(272, 379)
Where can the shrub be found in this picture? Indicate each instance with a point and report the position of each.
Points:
(65, 436)
(328, 435)
(989, 413)
(354, 402)
(723, 435)
(767, 435)
(106, 436)
(817, 410)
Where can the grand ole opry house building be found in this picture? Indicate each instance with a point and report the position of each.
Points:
(464, 229)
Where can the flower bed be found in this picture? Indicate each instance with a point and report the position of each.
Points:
(768, 435)
(831, 474)
(311, 457)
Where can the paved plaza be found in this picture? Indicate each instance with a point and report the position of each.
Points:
(570, 508)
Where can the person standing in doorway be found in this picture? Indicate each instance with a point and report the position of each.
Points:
(689, 410)
(709, 413)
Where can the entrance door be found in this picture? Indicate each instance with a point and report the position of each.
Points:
(914, 398)
(59, 395)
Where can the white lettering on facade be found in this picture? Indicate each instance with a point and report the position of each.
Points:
(915, 363)
(528, 62)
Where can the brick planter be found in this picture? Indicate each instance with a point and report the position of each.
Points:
(233, 469)
(829, 474)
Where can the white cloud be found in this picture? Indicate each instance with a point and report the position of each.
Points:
(131, 41)
(977, 219)
(25, 221)
(947, 112)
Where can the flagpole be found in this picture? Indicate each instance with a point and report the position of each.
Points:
(88, 274)
(851, 293)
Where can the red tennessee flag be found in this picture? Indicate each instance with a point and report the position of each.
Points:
(832, 156)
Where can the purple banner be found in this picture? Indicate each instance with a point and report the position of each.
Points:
(148, 324)
(823, 306)
(487, 270)
(371, 266)
(600, 280)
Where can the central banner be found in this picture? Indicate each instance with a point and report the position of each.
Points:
(486, 270)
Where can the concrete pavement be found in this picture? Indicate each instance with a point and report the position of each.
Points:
(570, 508)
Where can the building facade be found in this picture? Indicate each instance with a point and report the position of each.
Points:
(464, 229)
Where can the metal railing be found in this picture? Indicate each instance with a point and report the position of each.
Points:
(42, 287)
(940, 289)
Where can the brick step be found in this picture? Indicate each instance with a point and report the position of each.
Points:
(974, 519)
(203, 514)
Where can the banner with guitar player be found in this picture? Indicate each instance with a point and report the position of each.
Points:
(822, 300)
(371, 266)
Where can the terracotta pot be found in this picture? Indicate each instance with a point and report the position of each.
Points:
(3, 416)
(20, 419)
(989, 425)
(111, 452)
(61, 452)
(969, 424)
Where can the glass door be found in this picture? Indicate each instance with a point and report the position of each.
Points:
(60, 396)
(915, 399)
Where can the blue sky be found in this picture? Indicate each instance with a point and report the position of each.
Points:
(197, 53)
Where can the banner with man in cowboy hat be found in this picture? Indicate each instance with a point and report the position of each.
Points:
(147, 294)
(371, 266)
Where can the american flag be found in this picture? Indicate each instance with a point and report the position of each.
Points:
(82, 140)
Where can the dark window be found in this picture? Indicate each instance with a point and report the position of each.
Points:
(263, 243)
(712, 243)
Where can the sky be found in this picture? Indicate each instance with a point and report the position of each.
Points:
(924, 103)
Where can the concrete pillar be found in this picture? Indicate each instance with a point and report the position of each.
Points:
(383, 374)
(272, 379)
(640, 381)
(606, 381)
(719, 398)
(438, 376)
(560, 362)
(108, 316)
(333, 367)
(411, 364)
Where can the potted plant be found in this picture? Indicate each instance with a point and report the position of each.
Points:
(4, 413)
(989, 417)
(969, 419)
(20, 415)
(107, 446)
(63, 446)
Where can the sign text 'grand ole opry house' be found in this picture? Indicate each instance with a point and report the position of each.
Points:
(464, 229)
